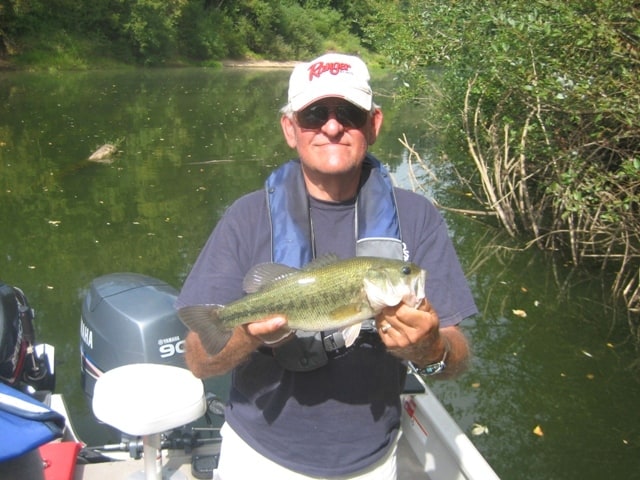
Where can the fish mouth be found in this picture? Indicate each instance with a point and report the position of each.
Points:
(414, 293)
(392, 293)
(417, 288)
(421, 281)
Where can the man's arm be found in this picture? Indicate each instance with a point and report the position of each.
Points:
(245, 339)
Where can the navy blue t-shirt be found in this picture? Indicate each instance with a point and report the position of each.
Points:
(344, 416)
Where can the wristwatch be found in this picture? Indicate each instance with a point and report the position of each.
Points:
(432, 368)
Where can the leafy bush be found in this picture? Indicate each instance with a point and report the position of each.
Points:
(155, 31)
(151, 28)
(205, 33)
(551, 113)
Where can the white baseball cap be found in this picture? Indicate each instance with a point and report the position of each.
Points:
(331, 75)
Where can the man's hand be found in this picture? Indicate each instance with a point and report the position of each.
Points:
(243, 342)
(272, 332)
(414, 334)
(403, 326)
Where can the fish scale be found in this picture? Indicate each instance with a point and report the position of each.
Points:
(298, 309)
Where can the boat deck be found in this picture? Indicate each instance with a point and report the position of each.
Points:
(432, 447)
(408, 466)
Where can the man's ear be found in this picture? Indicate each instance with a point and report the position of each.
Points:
(289, 130)
(375, 123)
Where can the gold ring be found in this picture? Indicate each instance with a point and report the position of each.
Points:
(385, 328)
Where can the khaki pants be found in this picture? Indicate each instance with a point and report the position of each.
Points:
(238, 461)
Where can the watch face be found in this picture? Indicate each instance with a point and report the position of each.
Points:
(438, 367)
(431, 369)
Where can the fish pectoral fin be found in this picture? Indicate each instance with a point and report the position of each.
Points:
(351, 333)
(203, 319)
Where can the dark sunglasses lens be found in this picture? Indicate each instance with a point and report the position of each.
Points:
(313, 117)
(316, 116)
(351, 116)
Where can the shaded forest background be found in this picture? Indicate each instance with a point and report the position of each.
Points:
(542, 96)
(93, 33)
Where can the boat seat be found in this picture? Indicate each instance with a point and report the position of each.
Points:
(145, 399)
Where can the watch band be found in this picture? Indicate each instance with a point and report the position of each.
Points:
(433, 368)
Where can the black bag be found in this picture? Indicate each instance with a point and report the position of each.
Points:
(14, 340)
(20, 364)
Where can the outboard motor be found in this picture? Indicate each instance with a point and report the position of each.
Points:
(128, 318)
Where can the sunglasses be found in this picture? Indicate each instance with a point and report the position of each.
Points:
(316, 116)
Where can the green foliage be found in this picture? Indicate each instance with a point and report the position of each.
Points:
(155, 32)
(151, 28)
(200, 33)
(551, 112)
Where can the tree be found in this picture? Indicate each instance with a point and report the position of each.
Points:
(550, 114)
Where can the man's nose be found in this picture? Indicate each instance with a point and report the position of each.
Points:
(332, 126)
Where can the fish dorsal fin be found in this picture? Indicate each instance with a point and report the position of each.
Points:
(322, 261)
(265, 274)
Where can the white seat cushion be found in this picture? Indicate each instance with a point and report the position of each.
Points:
(145, 398)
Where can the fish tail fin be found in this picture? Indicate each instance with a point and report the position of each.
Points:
(204, 320)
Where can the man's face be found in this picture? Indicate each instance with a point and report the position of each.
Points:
(331, 135)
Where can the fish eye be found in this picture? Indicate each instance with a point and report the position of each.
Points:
(406, 270)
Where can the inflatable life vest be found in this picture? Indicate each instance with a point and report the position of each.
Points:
(377, 234)
(25, 423)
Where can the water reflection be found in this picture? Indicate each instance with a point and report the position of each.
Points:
(553, 387)
(194, 140)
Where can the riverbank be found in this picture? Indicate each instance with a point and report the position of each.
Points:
(8, 65)
(264, 64)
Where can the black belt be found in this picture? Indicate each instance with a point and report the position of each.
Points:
(368, 338)
(334, 345)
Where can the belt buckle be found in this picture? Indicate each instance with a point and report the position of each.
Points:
(333, 344)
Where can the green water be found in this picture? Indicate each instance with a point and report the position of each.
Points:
(194, 140)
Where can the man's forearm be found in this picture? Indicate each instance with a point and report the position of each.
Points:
(451, 340)
(236, 351)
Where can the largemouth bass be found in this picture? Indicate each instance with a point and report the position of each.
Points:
(327, 294)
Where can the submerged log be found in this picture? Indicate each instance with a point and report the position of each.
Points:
(104, 154)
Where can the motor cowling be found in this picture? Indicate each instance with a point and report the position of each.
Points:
(128, 318)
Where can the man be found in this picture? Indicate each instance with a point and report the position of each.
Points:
(307, 406)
